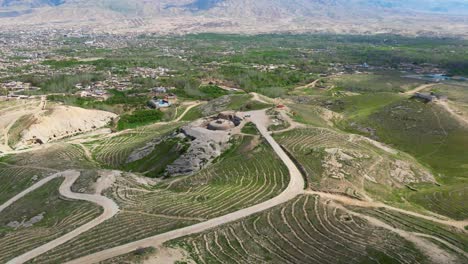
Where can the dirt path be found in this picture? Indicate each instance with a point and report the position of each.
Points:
(258, 97)
(110, 209)
(295, 187)
(462, 119)
(28, 167)
(419, 89)
(186, 111)
(354, 202)
(292, 124)
(86, 151)
(309, 85)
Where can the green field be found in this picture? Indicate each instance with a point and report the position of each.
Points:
(139, 118)
(388, 81)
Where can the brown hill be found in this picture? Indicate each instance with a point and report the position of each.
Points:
(182, 16)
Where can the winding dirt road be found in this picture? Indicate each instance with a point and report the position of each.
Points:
(110, 209)
(295, 187)
(419, 89)
(185, 112)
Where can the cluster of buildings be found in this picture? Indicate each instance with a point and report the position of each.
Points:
(431, 97)
(17, 86)
(424, 68)
(162, 97)
(144, 72)
(14, 89)
(272, 67)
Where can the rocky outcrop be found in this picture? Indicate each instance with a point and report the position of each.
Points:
(206, 145)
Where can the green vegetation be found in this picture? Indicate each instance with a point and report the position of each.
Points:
(212, 91)
(250, 129)
(310, 114)
(139, 118)
(426, 143)
(193, 114)
(113, 152)
(14, 134)
(16, 179)
(119, 102)
(446, 200)
(371, 83)
(164, 153)
(244, 103)
(61, 83)
(358, 107)
(62, 63)
(425, 131)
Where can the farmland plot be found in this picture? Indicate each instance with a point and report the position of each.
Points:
(305, 230)
(39, 217)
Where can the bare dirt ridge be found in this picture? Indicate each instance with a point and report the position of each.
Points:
(9, 116)
(65, 121)
(110, 209)
(79, 138)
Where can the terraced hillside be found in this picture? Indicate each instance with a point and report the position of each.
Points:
(305, 230)
(248, 174)
(114, 151)
(342, 163)
(17, 172)
(15, 179)
(59, 156)
(39, 217)
(454, 238)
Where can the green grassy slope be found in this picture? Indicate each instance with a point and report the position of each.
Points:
(433, 137)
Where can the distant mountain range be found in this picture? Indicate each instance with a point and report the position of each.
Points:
(432, 17)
